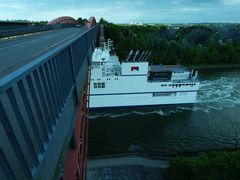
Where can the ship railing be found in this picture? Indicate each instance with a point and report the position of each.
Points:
(153, 81)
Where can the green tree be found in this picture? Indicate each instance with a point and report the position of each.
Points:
(81, 21)
(198, 44)
(103, 21)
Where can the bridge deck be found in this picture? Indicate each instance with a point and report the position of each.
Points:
(19, 51)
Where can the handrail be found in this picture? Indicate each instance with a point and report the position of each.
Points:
(20, 30)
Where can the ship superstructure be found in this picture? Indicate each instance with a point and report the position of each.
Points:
(136, 83)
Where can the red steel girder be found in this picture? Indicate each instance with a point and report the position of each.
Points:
(76, 161)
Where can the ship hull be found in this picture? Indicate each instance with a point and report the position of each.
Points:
(141, 99)
(119, 108)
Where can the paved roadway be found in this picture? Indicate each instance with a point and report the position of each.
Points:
(19, 51)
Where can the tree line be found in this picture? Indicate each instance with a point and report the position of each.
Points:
(178, 44)
(80, 20)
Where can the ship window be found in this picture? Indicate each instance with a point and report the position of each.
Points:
(99, 85)
(103, 85)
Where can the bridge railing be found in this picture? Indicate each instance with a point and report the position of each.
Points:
(38, 107)
(6, 31)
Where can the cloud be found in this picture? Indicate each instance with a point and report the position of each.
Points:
(230, 2)
(120, 11)
(196, 2)
(12, 5)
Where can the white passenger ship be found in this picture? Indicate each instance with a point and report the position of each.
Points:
(136, 83)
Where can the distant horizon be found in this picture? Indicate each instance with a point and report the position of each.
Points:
(125, 11)
(132, 23)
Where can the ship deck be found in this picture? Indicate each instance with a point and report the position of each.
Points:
(171, 68)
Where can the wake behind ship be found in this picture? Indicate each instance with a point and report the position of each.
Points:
(136, 83)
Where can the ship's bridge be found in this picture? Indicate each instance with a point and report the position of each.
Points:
(105, 63)
(170, 73)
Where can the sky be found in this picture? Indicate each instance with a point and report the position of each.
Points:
(124, 11)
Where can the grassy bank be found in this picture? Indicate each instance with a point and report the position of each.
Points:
(210, 165)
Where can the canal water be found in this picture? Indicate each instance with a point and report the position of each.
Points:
(212, 123)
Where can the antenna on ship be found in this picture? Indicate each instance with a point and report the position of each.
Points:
(134, 58)
(101, 37)
(141, 56)
(109, 44)
(129, 55)
(150, 52)
(144, 55)
(195, 75)
(104, 45)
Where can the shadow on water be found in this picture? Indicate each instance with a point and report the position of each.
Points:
(212, 123)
